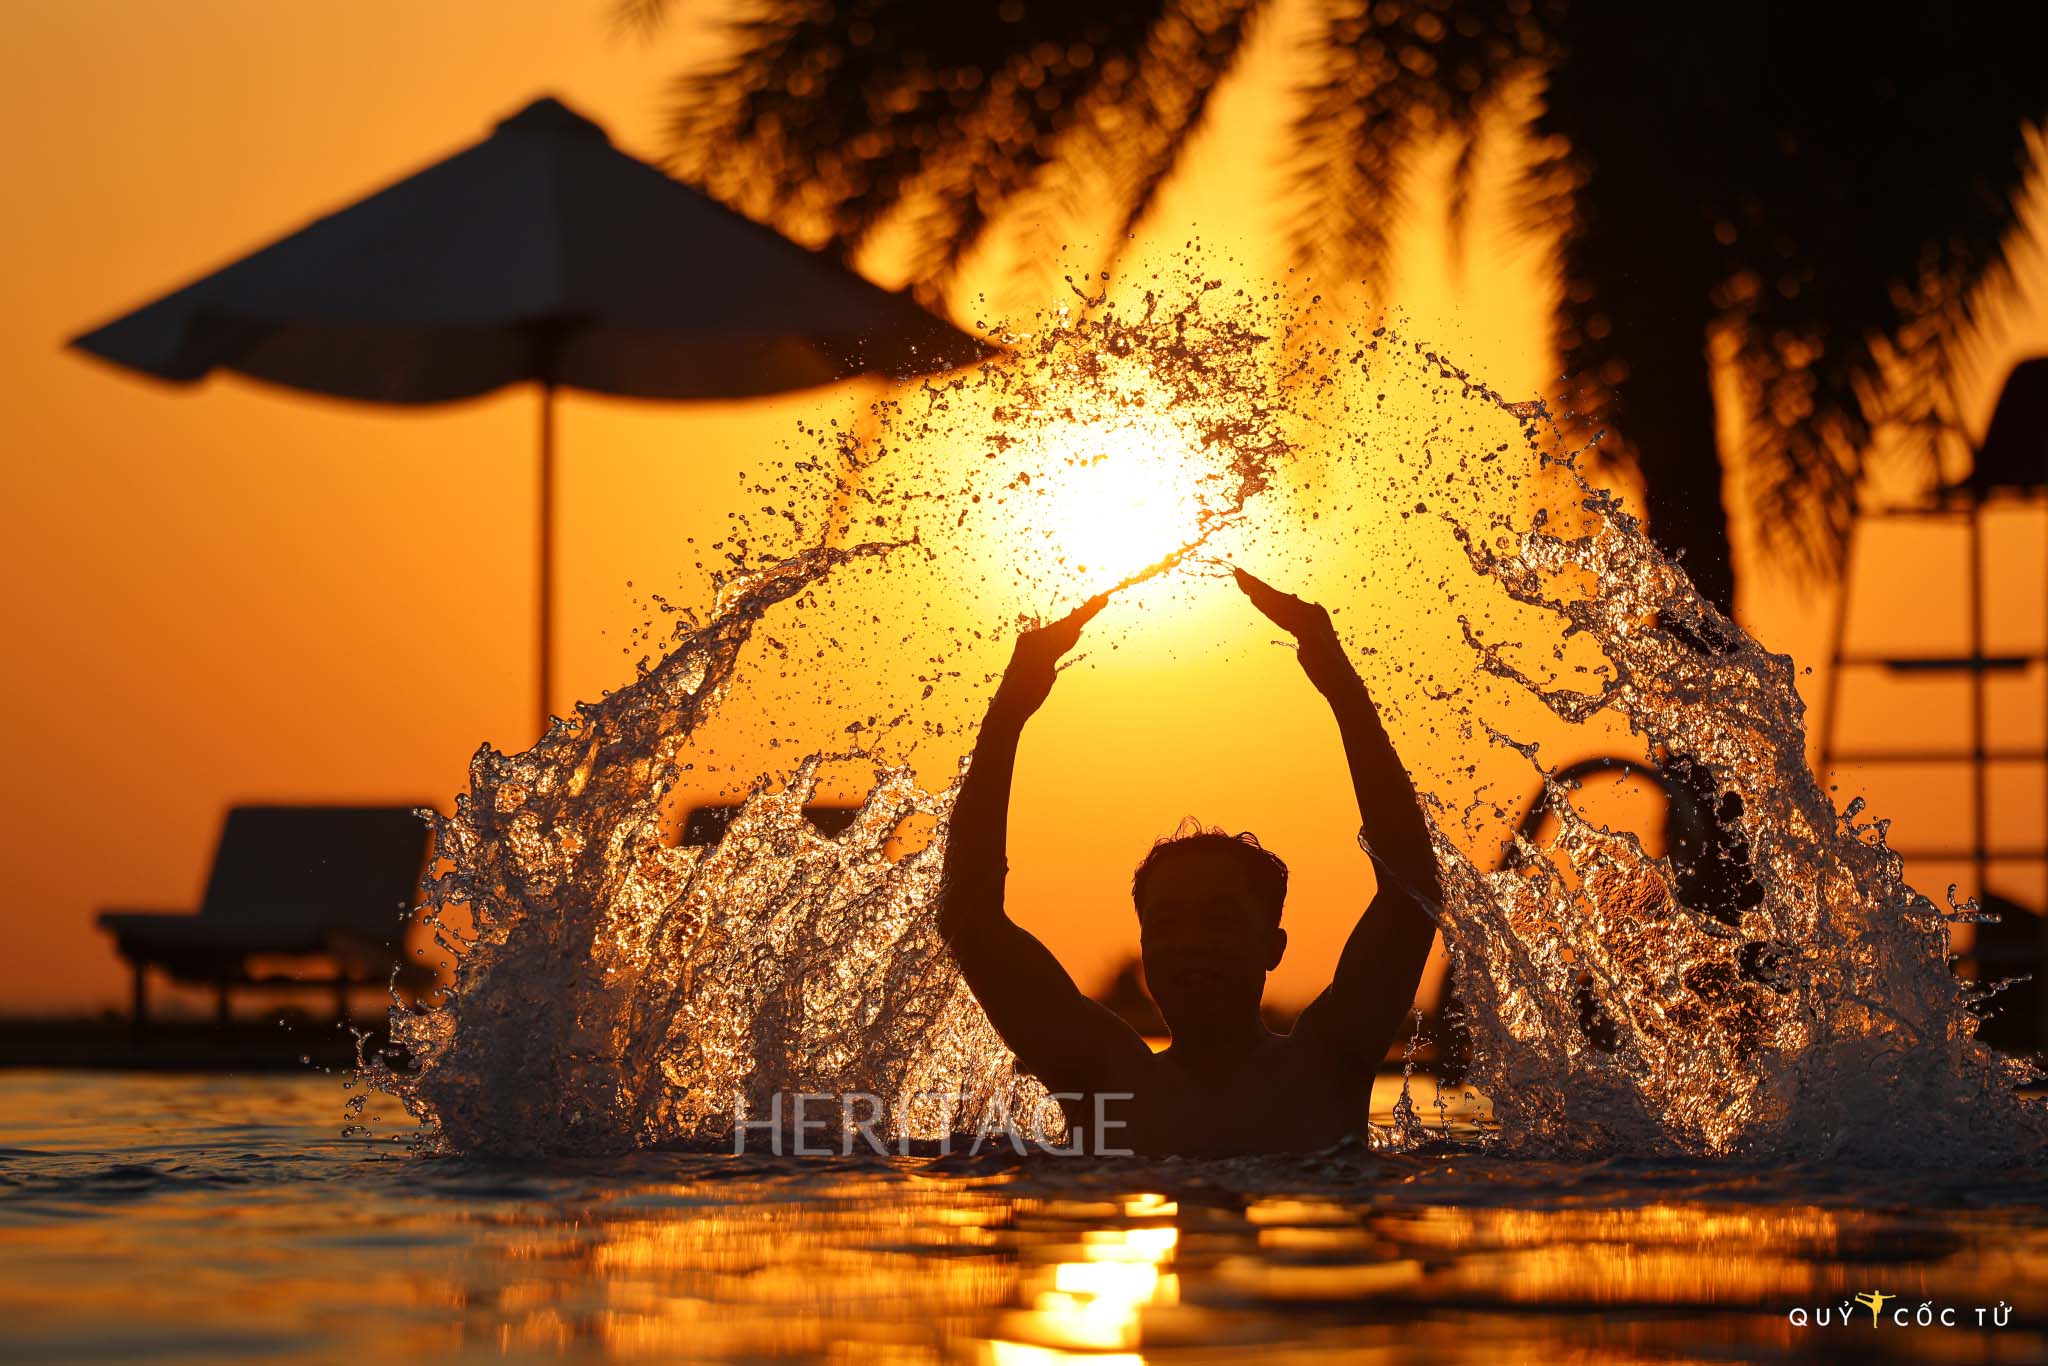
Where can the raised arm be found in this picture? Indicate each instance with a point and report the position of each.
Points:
(1360, 1012)
(1068, 1041)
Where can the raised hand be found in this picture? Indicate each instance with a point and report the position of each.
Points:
(1322, 656)
(1034, 663)
(1358, 1016)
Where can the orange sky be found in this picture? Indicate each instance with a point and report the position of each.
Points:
(227, 593)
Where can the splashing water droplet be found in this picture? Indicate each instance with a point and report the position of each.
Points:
(1776, 989)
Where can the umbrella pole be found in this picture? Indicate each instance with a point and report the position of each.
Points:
(547, 549)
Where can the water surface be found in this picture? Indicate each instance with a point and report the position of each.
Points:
(222, 1218)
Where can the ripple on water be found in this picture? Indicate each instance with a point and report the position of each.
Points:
(1454, 1250)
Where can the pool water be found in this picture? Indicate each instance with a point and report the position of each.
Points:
(210, 1218)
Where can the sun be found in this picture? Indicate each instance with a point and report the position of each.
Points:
(1111, 496)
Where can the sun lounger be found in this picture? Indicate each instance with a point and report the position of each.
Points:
(334, 881)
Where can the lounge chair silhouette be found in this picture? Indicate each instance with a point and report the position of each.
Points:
(333, 881)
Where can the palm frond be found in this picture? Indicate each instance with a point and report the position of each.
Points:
(1833, 189)
(1390, 77)
(1840, 187)
(827, 119)
(642, 17)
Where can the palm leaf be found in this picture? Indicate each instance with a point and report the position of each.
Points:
(1389, 80)
(1833, 191)
(828, 120)
(1840, 191)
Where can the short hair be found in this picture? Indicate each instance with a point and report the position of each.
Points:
(1263, 870)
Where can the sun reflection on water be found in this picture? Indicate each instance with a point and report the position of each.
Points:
(1094, 1301)
(1032, 1266)
(201, 1230)
(1022, 1266)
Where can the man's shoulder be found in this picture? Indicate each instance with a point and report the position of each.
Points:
(1317, 1036)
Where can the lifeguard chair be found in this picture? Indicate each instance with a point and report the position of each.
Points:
(2009, 471)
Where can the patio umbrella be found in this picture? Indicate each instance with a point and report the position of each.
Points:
(543, 254)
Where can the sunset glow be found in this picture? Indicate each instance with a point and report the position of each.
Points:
(646, 487)
(1115, 496)
(1029, 684)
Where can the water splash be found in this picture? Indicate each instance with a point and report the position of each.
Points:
(618, 991)
(1784, 994)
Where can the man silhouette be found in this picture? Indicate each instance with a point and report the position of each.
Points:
(1209, 930)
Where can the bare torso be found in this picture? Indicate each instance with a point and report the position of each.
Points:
(1209, 908)
(1285, 1094)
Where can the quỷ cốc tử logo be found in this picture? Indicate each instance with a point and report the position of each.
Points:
(1927, 1314)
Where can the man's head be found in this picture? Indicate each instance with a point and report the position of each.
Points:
(1208, 922)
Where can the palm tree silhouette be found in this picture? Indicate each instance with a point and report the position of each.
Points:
(1824, 187)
